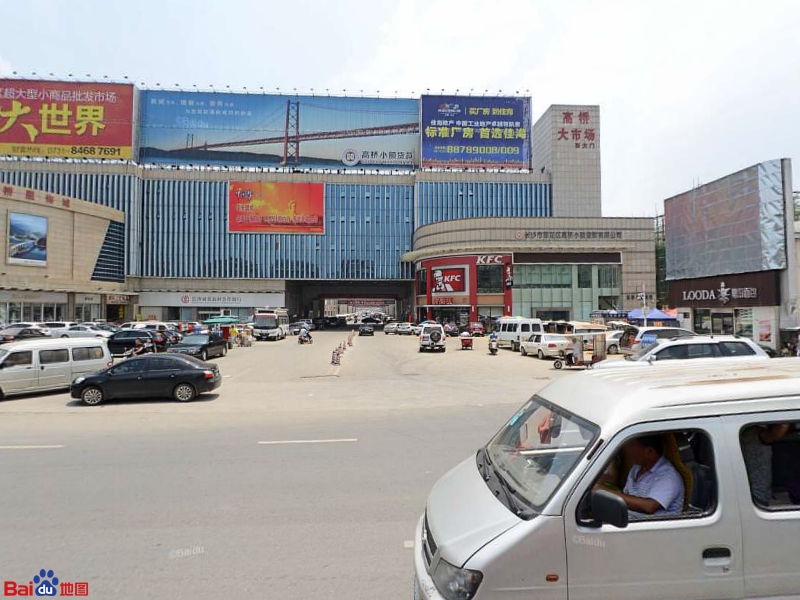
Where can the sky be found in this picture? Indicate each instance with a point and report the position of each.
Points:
(689, 91)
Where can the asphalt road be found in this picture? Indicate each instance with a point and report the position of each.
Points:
(155, 499)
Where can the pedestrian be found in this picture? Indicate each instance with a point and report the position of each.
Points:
(235, 336)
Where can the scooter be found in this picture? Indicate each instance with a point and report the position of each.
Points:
(148, 348)
(492, 347)
(305, 340)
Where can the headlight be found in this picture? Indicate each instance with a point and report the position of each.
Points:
(454, 583)
(79, 379)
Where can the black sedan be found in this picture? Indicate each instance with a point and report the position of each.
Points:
(18, 334)
(148, 376)
(124, 339)
(366, 330)
(200, 345)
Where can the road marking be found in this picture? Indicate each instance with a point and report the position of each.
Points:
(335, 441)
(31, 447)
(408, 544)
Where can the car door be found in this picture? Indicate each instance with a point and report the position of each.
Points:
(126, 380)
(162, 375)
(18, 373)
(688, 555)
(771, 524)
(54, 368)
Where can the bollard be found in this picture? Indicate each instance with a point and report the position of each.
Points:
(335, 358)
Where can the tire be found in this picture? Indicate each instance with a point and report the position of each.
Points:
(612, 349)
(540, 354)
(204, 356)
(436, 336)
(92, 395)
(184, 392)
(523, 351)
(421, 348)
(557, 364)
(64, 336)
(224, 351)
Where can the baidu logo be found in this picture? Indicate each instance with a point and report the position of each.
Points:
(46, 584)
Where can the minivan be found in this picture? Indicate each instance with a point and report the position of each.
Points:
(634, 337)
(49, 364)
(539, 512)
(511, 330)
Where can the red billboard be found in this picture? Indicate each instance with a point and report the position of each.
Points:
(452, 280)
(66, 119)
(263, 207)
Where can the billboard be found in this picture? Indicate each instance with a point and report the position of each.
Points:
(475, 132)
(27, 240)
(262, 207)
(273, 130)
(735, 224)
(449, 280)
(66, 119)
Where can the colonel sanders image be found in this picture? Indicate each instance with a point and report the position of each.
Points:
(509, 277)
(440, 285)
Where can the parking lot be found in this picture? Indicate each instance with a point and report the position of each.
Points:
(298, 476)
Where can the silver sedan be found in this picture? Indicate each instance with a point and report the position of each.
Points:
(77, 331)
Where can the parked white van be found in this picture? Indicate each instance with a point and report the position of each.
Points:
(552, 507)
(49, 364)
(512, 330)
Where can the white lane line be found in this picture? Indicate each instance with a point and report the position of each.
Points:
(30, 447)
(408, 544)
(336, 441)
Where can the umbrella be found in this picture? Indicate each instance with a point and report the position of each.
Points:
(221, 321)
(653, 315)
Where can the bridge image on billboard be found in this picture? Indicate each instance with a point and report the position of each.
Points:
(272, 130)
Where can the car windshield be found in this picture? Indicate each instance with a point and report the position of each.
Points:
(3, 354)
(538, 448)
(268, 322)
(195, 340)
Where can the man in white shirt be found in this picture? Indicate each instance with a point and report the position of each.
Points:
(654, 486)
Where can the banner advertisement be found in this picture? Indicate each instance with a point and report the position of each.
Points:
(65, 119)
(272, 130)
(27, 240)
(449, 280)
(261, 207)
(475, 132)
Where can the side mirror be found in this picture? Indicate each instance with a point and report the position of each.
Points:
(652, 358)
(609, 508)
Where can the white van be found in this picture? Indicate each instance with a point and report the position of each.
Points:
(539, 512)
(512, 330)
(40, 365)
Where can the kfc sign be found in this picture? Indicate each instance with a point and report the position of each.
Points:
(490, 259)
(449, 280)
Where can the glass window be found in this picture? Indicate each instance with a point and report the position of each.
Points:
(686, 485)
(702, 351)
(48, 357)
(92, 353)
(585, 276)
(672, 353)
(164, 364)
(702, 320)
(736, 349)
(609, 276)
(537, 450)
(771, 453)
(422, 282)
(19, 359)
(130, 366)
(14, 312)
(490, 279)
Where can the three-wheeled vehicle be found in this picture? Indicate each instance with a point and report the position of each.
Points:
(466, 340)
(575, 357)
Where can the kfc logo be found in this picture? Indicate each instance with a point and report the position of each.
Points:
(449, 280)
(490, 259)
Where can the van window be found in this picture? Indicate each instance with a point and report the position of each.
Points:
(771, 453)
(681, 483)
(19, 359)
(536, 327)
(49, 357)
(702, 351)
(92, 353)
(735, 349)
(525, 328)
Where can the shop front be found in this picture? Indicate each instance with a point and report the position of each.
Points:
(21, 306)
(88, 307)
(119, 307)
(745, 304)
(199, 306)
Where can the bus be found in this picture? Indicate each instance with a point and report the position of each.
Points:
(270, 324)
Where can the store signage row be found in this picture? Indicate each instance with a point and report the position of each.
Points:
(117, 299)
(538, 234)
(33, 196)
(748, 289)
(490, 259)
(211, 299)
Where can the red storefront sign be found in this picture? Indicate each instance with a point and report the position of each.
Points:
(453, 280)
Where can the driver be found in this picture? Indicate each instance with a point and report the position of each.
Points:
(577, 350)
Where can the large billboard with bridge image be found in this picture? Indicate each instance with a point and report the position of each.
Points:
(270, 130)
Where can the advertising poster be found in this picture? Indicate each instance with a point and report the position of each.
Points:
(261, 207)
(764, 331)
(475, 132)
(272, 130)
(27, 240)
(66, 119)
(449, 280)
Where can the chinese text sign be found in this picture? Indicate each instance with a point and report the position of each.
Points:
(261, 207)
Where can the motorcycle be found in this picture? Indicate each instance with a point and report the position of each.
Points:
(492, 347)
(305, 339)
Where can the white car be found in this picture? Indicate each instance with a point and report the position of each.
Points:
(404, 329)
(82, 331)
(418, 328)
(688, 348)
(390, 328)
(432, 338)
(544, 345)
(612, 341)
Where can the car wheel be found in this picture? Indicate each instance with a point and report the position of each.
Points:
(64, 336)
(92, 395)
(224, 351)
(184, 392)
(612, 349)
(204, 356)
(523, 351)
(421, 348)
(540, 354)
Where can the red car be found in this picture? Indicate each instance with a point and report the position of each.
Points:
(476, 329)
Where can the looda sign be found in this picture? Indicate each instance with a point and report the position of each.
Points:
(723, 294)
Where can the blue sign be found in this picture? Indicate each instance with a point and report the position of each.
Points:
(475, 132)
(273, 130)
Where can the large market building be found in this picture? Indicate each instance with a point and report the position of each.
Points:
(443, 206)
